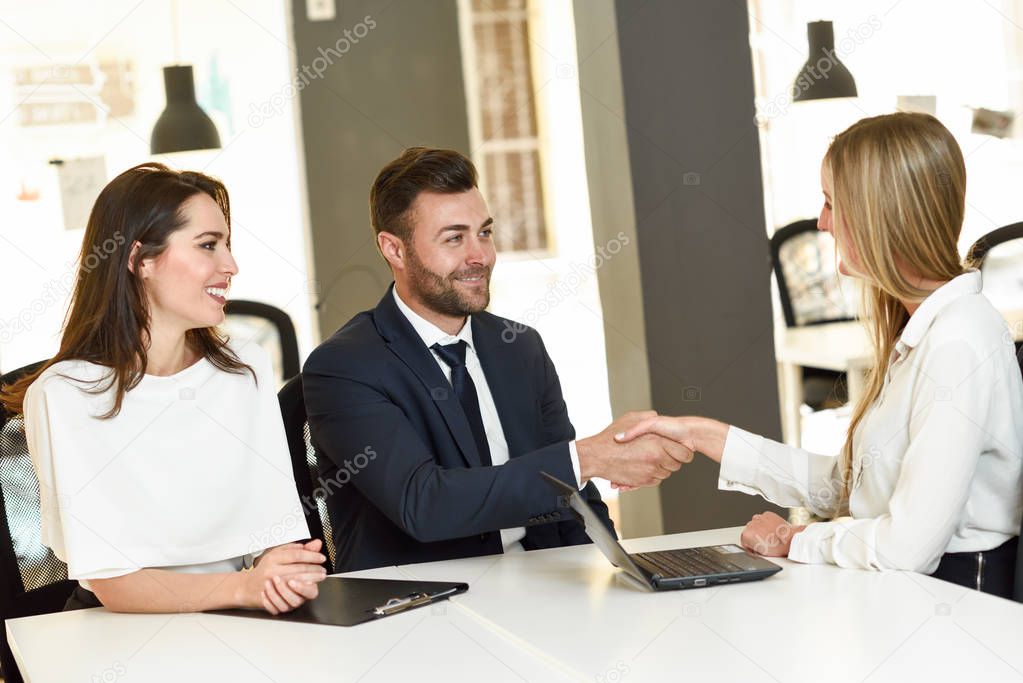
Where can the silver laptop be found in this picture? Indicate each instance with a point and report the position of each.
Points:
(668, 569)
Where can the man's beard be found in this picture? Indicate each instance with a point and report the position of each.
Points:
(441, 294)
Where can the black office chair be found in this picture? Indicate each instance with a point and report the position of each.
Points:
(268, 326)
(1017, 592)
(977, 257)
(803, 259)
(978, 252)
(303, 464)
(33, 580)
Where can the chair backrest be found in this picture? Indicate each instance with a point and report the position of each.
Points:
(803, 259)
(32, 580)
(303, 464)
(978, 252)
(999, 255)
(1017, 593)
(268, 326)
(977, 256)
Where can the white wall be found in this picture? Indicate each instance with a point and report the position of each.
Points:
(557, 293)
(966, 53)
(258, 161)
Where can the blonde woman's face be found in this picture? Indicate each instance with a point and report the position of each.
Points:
(827, 223)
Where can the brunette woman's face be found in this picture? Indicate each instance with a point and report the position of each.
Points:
(188, 282)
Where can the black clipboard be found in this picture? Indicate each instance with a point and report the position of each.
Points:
(349, 601)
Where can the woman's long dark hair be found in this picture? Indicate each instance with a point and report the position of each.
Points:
(108, 319)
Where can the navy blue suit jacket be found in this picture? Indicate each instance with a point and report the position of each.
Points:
(398, 465)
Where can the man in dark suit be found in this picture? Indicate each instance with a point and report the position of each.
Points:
(432, 419)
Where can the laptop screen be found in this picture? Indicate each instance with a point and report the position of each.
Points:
(595, 529)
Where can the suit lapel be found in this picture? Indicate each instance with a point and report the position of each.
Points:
(402, 339)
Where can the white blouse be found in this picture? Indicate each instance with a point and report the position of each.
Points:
(191, 475)
(938, 458)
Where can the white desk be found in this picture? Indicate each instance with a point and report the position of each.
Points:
(432, 643)
(566, 614)
(842, 347)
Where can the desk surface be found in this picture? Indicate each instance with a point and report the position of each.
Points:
(97, 645)
(565, 614)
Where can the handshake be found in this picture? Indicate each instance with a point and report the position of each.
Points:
(638, 449)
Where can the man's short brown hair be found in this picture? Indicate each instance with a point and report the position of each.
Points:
(418, 169)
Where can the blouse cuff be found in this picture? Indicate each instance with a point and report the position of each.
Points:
(809, 546)
(739, 460)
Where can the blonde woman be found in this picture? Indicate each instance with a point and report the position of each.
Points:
(929, 479)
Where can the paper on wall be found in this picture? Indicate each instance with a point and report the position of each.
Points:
(81, 181)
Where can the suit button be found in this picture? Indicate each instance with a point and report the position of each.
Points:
(483, 537)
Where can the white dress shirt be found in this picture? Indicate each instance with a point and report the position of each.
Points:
(431, 334)
(937, 457)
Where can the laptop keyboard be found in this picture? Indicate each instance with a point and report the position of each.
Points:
(688, 562)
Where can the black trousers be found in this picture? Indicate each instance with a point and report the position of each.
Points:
(990, 571)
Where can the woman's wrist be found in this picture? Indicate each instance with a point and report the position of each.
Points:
(238, 581)
(708, 436)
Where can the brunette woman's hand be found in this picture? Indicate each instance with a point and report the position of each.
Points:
(284, 577)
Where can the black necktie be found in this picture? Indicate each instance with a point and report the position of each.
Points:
(454, 356)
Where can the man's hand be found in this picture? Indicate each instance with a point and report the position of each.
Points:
(644, 461)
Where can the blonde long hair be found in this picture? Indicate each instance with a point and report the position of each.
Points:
(899, 190)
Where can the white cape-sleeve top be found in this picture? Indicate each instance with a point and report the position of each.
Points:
(193, 470)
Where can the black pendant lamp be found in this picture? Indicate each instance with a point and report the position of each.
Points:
(823, 76)
(183, 125)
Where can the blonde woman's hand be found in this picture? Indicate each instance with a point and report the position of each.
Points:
(284, 577)
(768, 534)
(677, 429)
(691, 433)
(646, 461)
(675, 432)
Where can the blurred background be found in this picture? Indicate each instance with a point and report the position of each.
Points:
(638, 158)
